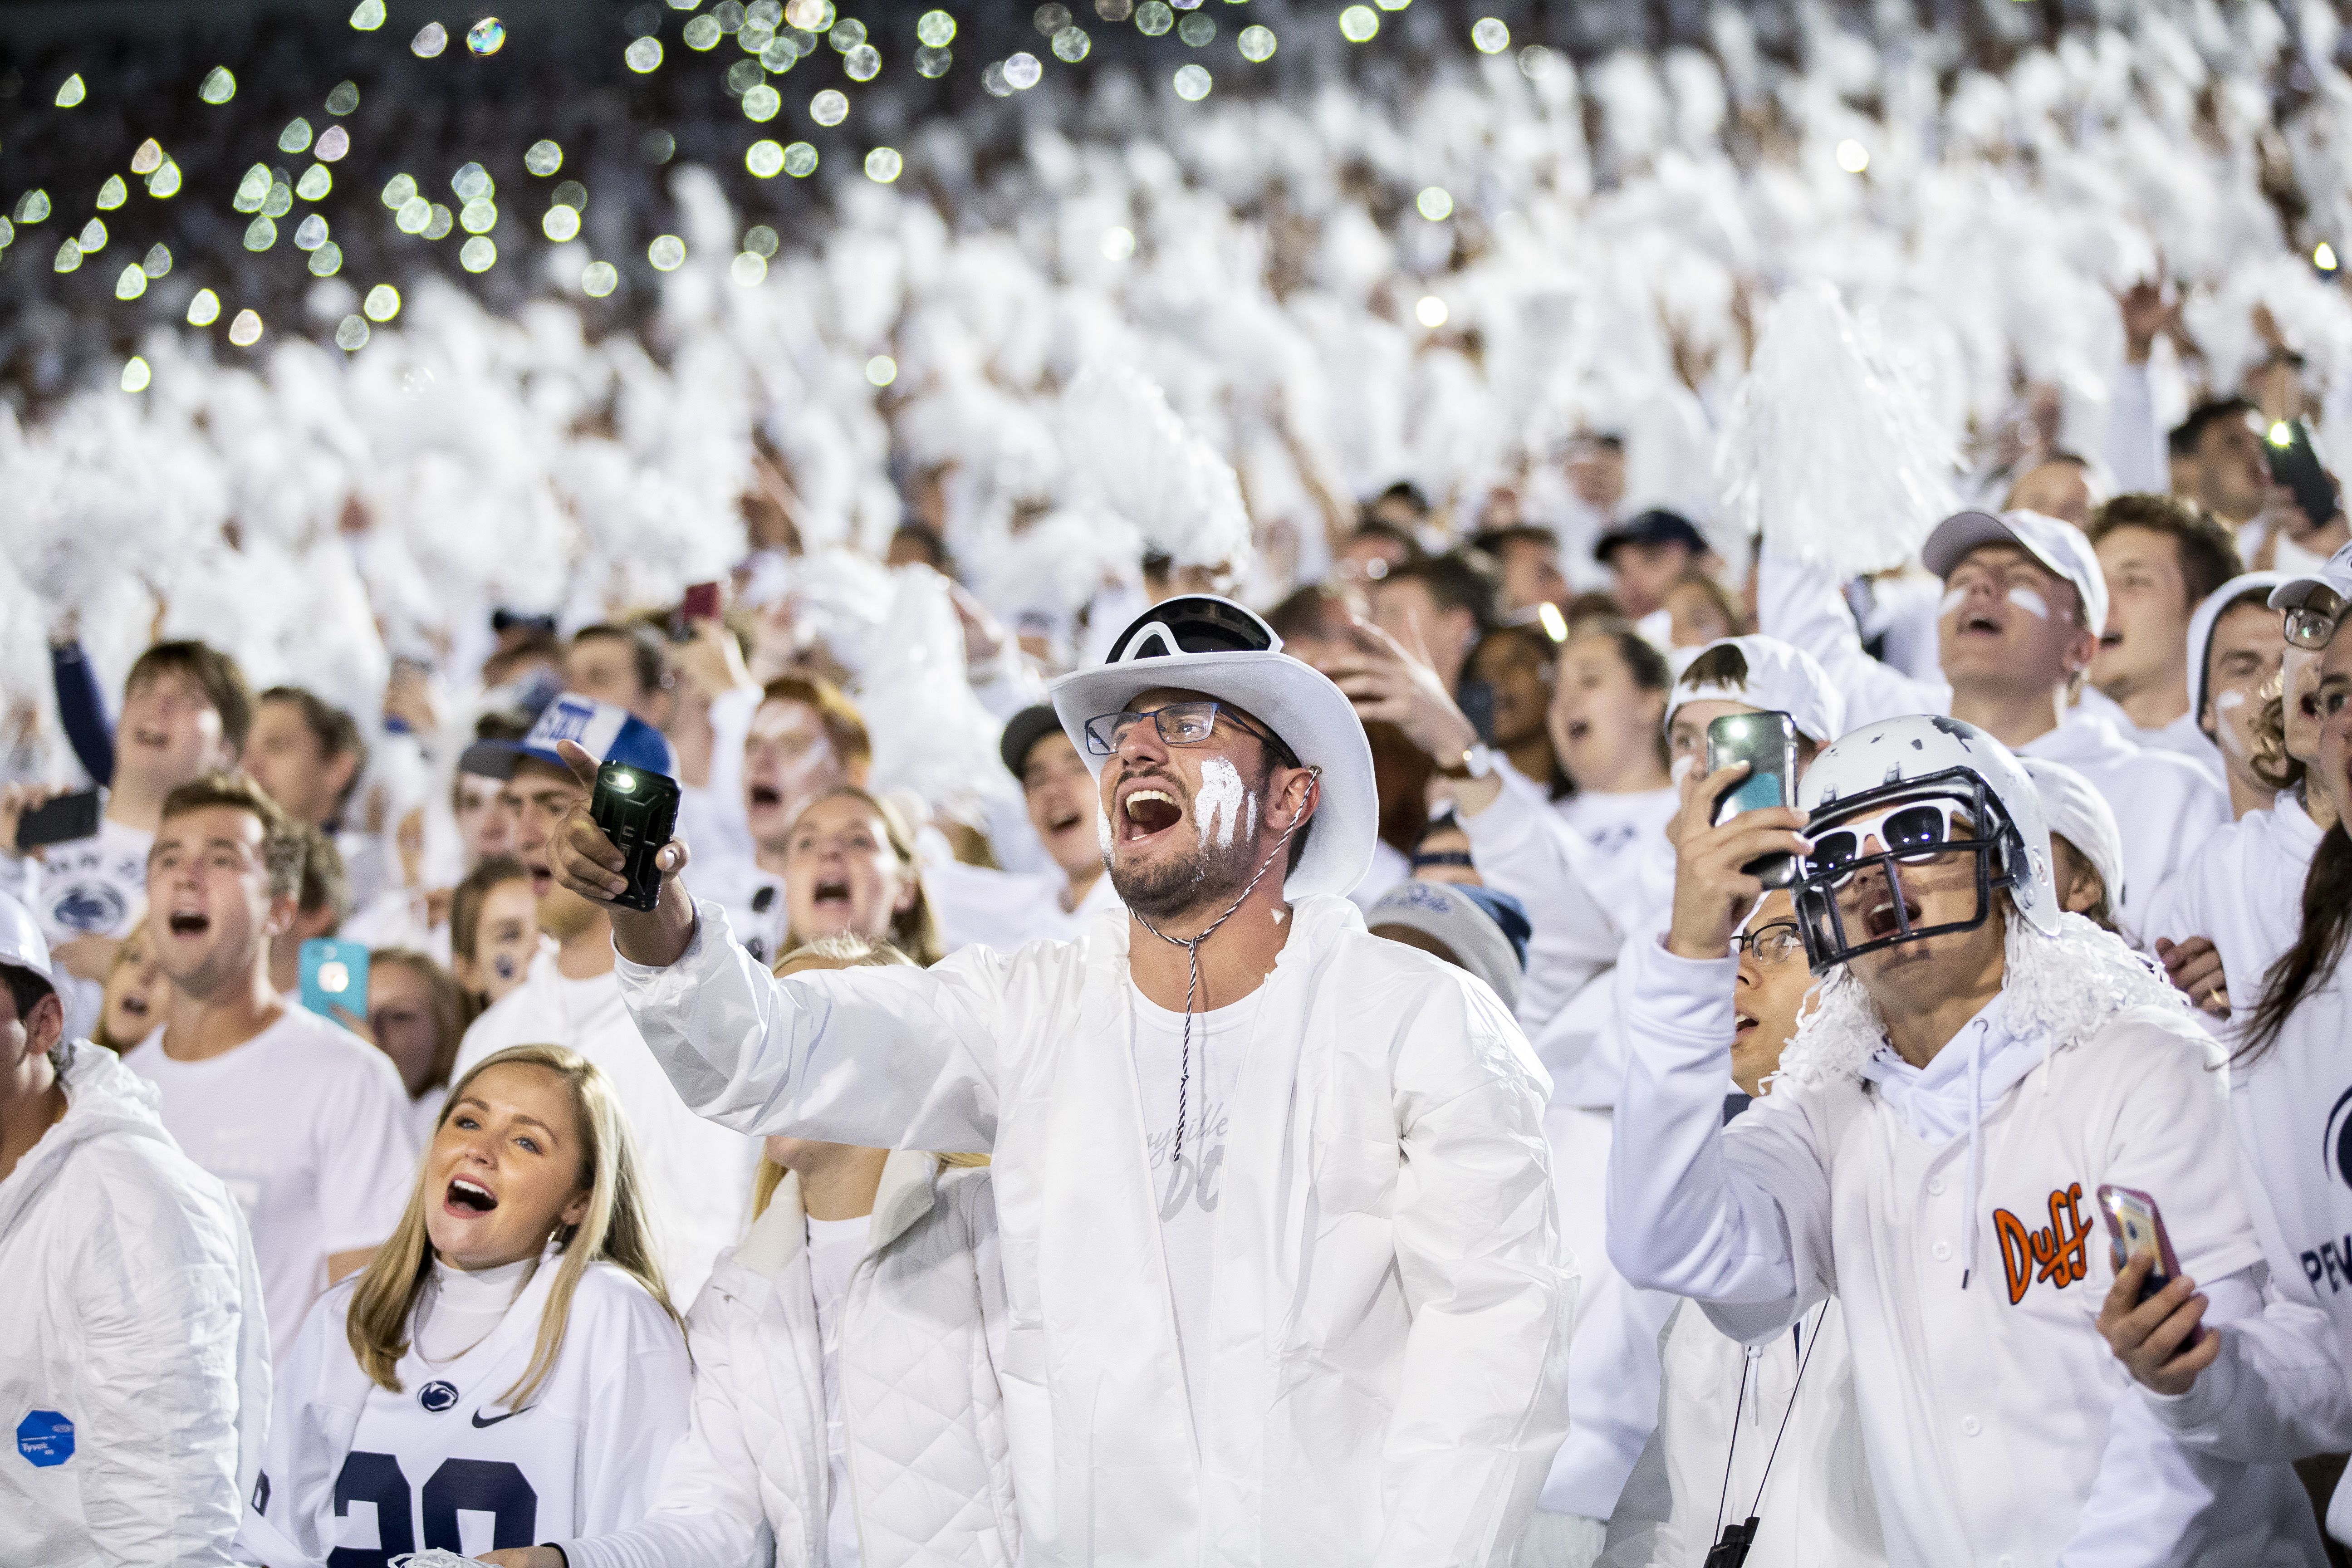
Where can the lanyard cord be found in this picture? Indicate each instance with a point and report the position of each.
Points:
(1192, 946)
(1739, 1402)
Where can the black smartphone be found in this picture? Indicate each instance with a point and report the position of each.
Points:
(637, 809)
(2295, 465)
(1767, 742)
(61, 820)
(1476, 701)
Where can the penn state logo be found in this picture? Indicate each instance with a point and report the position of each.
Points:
(437, 1396)
(89, 907)
(2337, 1151)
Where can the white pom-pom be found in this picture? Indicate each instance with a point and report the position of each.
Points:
(1830, 453)
(1130, 455)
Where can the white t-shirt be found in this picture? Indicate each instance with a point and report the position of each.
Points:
(834, 1249)
(1187, 1191)
(84, 887)
(309, 1128)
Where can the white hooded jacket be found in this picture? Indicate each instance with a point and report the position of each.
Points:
(1389, 1309)
(921, 1333)
(134, 1313)
(1768, 1429)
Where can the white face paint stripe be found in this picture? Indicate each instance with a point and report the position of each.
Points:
(1102, 829)
(2232, 736)
(1218, 805)
(2031, 603)
(1952, 600)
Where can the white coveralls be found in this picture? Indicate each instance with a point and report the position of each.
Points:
(1388, 1308)
(134, 1360)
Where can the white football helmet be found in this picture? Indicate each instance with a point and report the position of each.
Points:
(1919, 758)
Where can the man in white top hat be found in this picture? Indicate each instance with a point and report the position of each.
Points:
(1979, 1064)
(1279, 1238)
(2024, 608)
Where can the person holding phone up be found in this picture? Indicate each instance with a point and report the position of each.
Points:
(1979, 1064)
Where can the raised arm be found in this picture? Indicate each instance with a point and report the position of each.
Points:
(1803, 606)
(886, 1059)
(1742, 1236)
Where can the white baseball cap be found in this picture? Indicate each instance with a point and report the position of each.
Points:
(2335, 573)
(1781, 677)
(2057, 544)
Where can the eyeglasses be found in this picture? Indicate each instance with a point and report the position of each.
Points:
(1772, 944)
(1180, 724)
(2312, 624)
(1915, 830)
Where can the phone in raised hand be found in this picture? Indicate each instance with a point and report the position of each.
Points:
(1767, 742)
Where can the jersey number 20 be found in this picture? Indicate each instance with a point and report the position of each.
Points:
(483, 1486)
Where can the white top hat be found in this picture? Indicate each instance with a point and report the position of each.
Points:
(1197, 642)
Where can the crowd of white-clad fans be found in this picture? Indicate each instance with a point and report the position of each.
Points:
(1340, 1078)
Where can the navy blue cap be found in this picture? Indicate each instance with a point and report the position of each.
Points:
(1656, 526)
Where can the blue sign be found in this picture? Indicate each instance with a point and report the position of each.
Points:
(45, 1438)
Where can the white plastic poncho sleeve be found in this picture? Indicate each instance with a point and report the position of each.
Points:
(884, 1058)
(171, 1336)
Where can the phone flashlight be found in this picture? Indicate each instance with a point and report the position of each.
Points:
(637, 809)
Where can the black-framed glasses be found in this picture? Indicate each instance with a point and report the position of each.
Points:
(1180, 724)
(2312, 624)
(1773, 944)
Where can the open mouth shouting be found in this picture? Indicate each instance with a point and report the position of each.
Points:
(830, 895)
(1880, 920)
(188, 922)
(467, 1198)
(1148, 808)
(1743, 1025)
(543, 881)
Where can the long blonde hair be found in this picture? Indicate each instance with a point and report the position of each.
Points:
(613, 1231)
(843, 952)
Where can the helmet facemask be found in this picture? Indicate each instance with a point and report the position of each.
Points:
(1916, 824)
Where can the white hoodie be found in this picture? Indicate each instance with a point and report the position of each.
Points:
(921, 1333)
(1999, 1427)
(1766, 1430)
(1389, 1311)
(133, 1314)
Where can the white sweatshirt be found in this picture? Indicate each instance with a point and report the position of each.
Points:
(1825, 1188)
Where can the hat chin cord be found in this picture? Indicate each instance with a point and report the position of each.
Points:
(1192, 946)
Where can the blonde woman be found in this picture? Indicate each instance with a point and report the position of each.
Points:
(508, 1369)
(850, 869)
(846, 1406)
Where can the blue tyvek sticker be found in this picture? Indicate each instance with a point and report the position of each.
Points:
(45, 1437)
